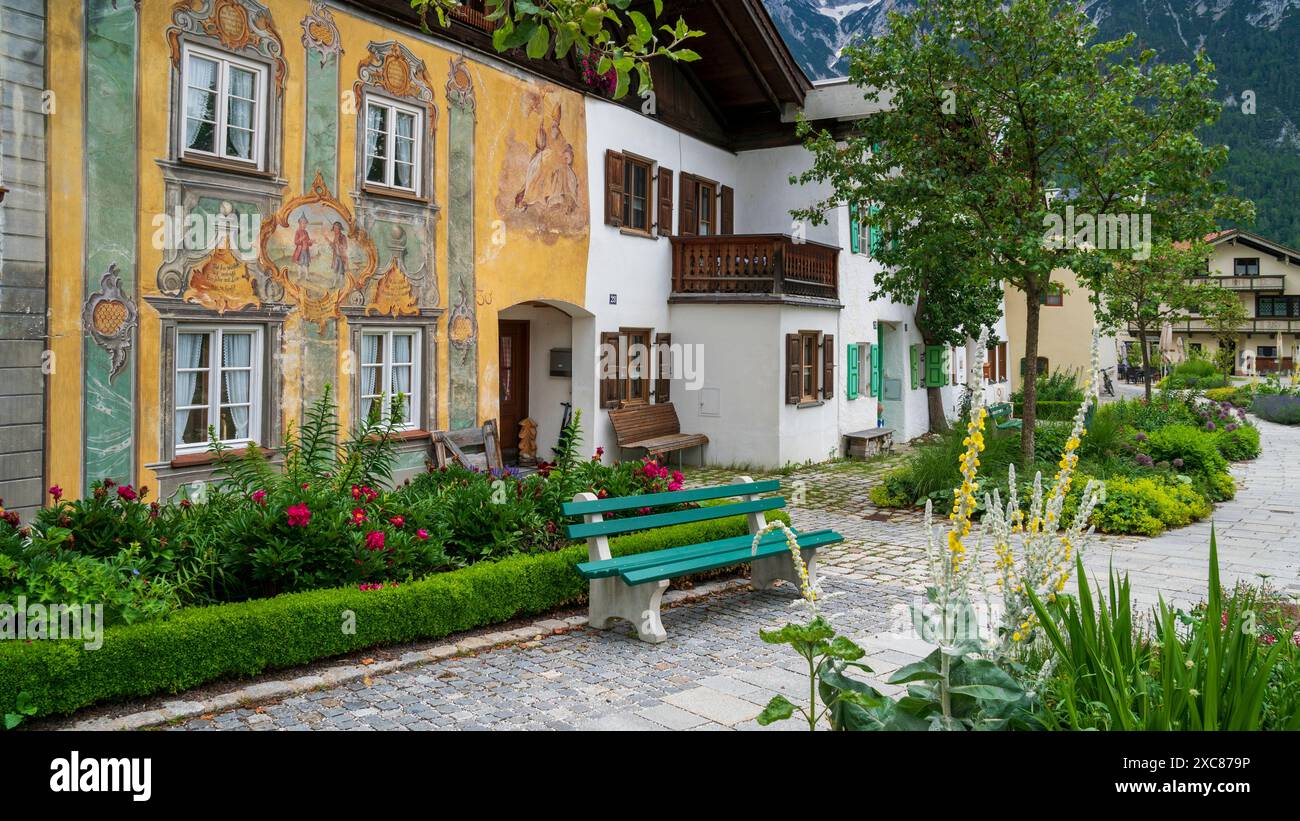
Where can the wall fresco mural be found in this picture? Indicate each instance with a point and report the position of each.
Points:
(542, 187)
(317, 254)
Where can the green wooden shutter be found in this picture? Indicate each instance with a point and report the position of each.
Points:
(916, 355)
(854, 240)
(874, 233)
(851, 389)
(936, 375)
(875, 369)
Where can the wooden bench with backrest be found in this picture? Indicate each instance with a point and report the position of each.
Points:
(1000, 413)
(631, 587)
(654, 428)
(477, 448)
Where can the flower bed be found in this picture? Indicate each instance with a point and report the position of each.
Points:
(196, 645)
(1162, 463)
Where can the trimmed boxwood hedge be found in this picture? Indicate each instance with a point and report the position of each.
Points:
(201, 644)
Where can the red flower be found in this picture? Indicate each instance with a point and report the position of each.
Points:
(602, 494)
(126, 493)
(397, 521)
(299, 515)
(358, 515)
(375, 540)
(421, 534)
(356, 492)
(259, 496)
(674, 485)
(56, 492)
(306, 486)
(677, 476)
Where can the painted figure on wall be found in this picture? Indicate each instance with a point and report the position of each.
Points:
(541, 186)
(318, 283)
(302, 243)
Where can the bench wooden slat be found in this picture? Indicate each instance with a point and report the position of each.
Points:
(663, 444)
(622, 564)
(675, 517)
(674, 497)
(716, 560)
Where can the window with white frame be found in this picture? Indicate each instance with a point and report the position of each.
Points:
(393, 134)
(224, 106)
(390, 365)
(218, 385)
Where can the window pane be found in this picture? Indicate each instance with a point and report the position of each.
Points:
(402, 348)
(372, 379)
(192, 426)
(200, 104)
(234, 423)
(376, 118)
(243, 83)
(203, 72)
(406, 125)
(372, 349)
(403, 175)
(234, 387)
(402, 379)
(236, 350)
(376, 171)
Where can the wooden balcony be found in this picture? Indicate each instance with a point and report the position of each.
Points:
(754, 267)
(1263, 282)
(1252, 325)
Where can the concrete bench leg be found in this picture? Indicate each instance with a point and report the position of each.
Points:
(639, 604)
(768, 570)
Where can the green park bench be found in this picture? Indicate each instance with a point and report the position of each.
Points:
(631, 587)
(1000, 413)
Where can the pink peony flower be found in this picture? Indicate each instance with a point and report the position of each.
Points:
(56, 492)
(651, 470)
(421, 534)
(299, 515)
(375, 540)
(397, 521)
(259, 496)
(677, 476)
(674, 486)
(126, 493)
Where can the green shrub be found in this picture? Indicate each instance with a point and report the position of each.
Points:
(200, 644)
(1279, 408)
(1052, 410)
(1239, 396)
(1049, 440)
(1147, 506)
(1161, 411)
(1238, 443)
(1058, 386)
(1196, 367)
(1195, 448)
(1105, 434)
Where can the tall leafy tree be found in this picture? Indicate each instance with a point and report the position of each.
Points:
(999, 114)
(622, 39)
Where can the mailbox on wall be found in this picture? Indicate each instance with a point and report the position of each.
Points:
(562, 362)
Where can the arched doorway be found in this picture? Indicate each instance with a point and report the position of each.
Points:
(537, 349)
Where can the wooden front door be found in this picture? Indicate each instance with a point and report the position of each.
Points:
(512, 370)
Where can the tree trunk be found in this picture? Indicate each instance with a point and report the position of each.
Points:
(938, 417)
(1030, 381)
(1146, 362)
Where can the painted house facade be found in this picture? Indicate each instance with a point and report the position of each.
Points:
(247, 202)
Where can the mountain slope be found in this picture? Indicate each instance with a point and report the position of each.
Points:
(1250, 41)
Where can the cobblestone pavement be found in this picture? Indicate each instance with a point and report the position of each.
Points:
(714, 673)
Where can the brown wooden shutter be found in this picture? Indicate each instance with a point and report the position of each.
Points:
(609, 362)
(664, 367)
(613, 188)
(828, 366)
(793, 371)
(688, 218)
(665, 201)
(728, 210)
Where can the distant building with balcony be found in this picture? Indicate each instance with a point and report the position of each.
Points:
(1265, 275)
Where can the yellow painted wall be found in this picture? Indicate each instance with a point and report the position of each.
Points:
(1064, 332)
(515, 262)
